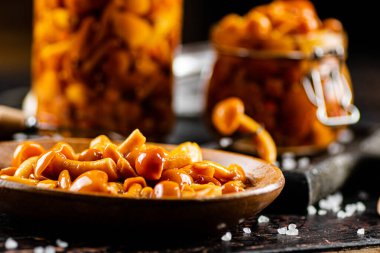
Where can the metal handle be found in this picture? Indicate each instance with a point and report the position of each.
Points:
(340, 87)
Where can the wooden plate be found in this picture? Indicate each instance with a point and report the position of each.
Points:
(60, 207)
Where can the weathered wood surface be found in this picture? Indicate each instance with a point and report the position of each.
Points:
(316, 233)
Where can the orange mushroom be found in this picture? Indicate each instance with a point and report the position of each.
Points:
(24, 151)
(76, 168)
(90, 154)
(167, 189)
(9, 171)
(26, 167)
(91, 181)
(64, 180)
(150, 163)
(228, 117)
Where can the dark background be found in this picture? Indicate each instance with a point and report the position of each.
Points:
(361, 21)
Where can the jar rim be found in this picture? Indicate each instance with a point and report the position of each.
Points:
(317, 53)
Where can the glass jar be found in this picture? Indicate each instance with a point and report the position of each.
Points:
(301, 98)
(105, 64)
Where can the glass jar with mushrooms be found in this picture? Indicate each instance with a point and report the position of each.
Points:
(105, 64)
(288, 67)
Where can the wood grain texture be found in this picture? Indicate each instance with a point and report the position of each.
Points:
(316, 234)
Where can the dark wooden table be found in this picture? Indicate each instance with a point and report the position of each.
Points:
(316, 233)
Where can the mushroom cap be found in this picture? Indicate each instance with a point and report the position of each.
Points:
(226, 115)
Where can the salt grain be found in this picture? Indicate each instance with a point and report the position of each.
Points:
(350, 209)
(49, 249)
(221, 225)
(335, 148)
(341, 214)
(61, 244)
(247, 230)
(322, 212)
(303, 162)
(227, 237)
(39, 249)
(345, 136)
(336, 209)
(332, 202)
(360, 231)
(263, 219)
(292, 226)
(292, 232)
(288, 155)
(289, 164)
(360, 207)
(225, 142)
(10, 243)
(282, 231)
(311, 210)
(20, 136)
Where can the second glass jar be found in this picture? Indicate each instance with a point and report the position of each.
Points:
(301, 99)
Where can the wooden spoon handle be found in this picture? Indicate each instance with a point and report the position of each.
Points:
(11, 120)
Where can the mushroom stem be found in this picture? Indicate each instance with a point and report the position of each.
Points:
(228, 117)
(248, 125)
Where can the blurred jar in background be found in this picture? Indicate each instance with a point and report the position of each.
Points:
(289, 69)
(105, 64)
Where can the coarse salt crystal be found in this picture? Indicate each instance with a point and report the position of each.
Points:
(39, 249)
(292, 232)
(227, 237)
(350, 209)
(263, 219)
(360, 207)
(322, 212)
(345, 136)
(221, 225)
(247, 230)
(323, 203)
(61, 244)
(292, 226)
(331, 202)
(10, 243)
(360, 231)
(49, 249)
(282, 231)
(336, 209)
(303, 162)
(341, 214)
(288, 155)
(311, 210)
(335, 148)
(289, 164)
(20, 136)
(225, 142)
